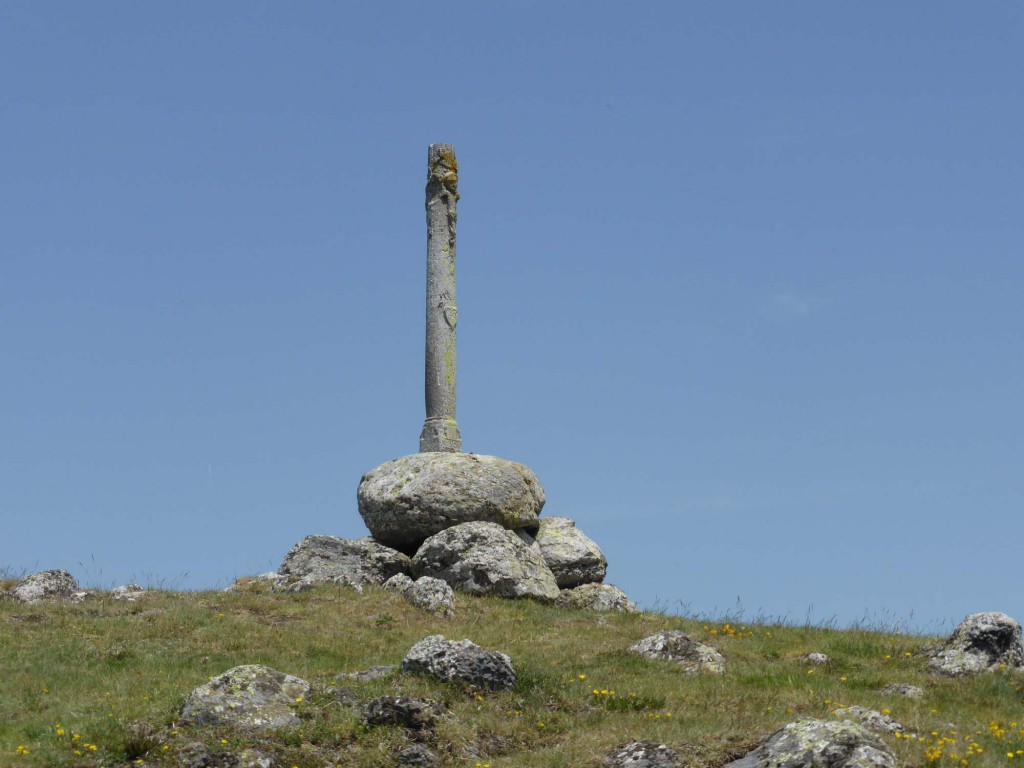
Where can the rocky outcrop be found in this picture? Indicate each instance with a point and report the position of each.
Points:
(595, 597)
(572, 556)
(819, 744)
(49, 586)
(485, 559)
(322, 559)
(407, 500)
(411, 713)
(869, 718)
(643, 754)
(426, 593)
(981, 642)
(460, 661)
(249, 696)
(691, 656)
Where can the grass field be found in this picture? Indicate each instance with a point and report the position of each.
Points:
(76, 681)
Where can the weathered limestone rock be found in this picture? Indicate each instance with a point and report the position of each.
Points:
(321, 559)
(406, 500)
(595, 597)
(249, 696)
(426, 593)
(869, 718)
(412, 713)
(819, 744)
(57, 586)
(643, 754)
(816, 658)
(485, 559)
(693, 657)
(981, 642)
(571, 555)
(903, 689)
(460, 661)
(127, 592)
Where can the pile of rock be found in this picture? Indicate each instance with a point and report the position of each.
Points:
(470, 521)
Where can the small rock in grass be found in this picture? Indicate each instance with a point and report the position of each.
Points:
(819, 744)
(595, 597)
(460, 661)
(426, 593)
(903, 689)
(982, 642)
(373, 673)
(869, 718)
(418, 756)
(253, 758)
(816, 658)
(195, 754)
(127, 592)
(693, 657)
(398, 583)
(249, 696)
(258, 583)
(45, 586)
(643, 754)
(411, 713)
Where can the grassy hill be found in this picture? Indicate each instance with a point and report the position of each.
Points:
(102, 683)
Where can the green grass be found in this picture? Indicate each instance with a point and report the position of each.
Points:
(116, 674)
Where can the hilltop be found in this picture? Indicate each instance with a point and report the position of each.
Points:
(103, 683)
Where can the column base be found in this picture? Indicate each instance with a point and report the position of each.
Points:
(441, 434)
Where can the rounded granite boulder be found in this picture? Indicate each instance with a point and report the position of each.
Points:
(571, 555)
(405, 501)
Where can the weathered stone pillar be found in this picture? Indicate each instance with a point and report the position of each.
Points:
(440, 430)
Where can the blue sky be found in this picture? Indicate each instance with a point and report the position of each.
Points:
(740, 282)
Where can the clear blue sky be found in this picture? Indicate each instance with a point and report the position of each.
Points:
(740, 282)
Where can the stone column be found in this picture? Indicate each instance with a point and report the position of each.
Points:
(440, 430)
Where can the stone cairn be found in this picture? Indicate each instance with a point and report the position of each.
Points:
(469, 520)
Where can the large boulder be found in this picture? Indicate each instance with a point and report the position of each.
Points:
(321, 559)
(596, 597)
(981, 642)
(49, 586)
(570, 554)
(460, 661)
(485, 559)
(691, 656)
(406, 500)
(249, 696)
(643, 754)
(819, 744)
